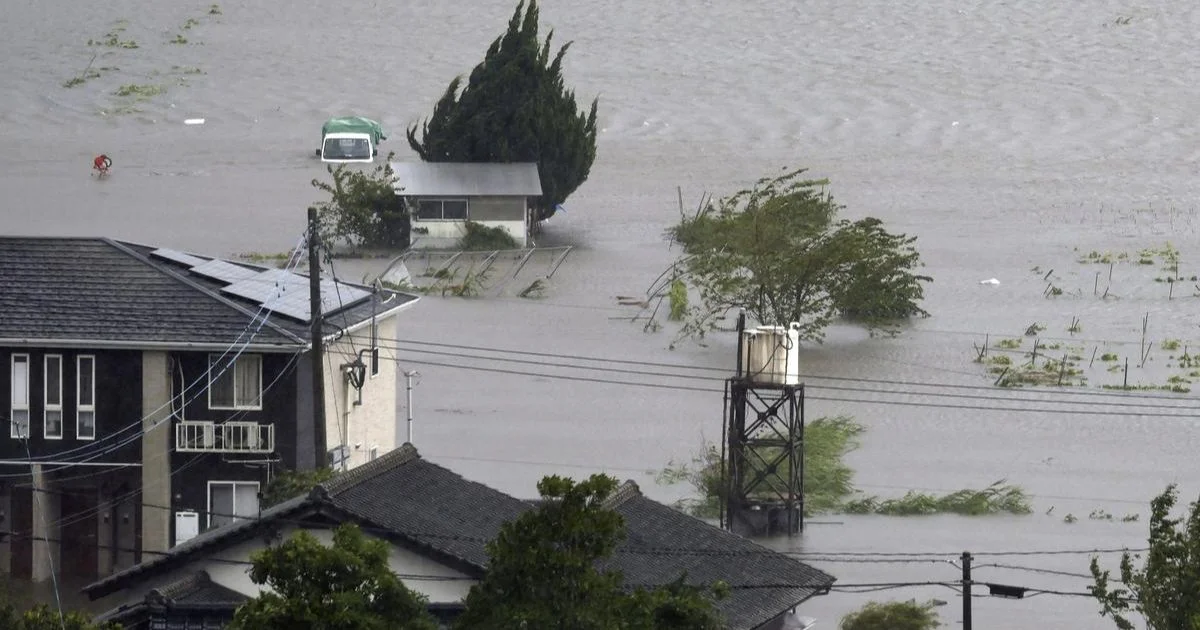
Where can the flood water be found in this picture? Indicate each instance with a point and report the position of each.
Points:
(1005, 135)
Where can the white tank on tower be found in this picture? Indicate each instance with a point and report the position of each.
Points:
(770, 354)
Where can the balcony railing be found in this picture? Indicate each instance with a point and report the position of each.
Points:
(227, 437)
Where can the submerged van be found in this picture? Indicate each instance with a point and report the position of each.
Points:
(350, 139)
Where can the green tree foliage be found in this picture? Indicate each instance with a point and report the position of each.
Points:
(543, 572)
(1165, 590)
(42, 617)
(293, 483)
(778, 251)
(363, 208)
(344, 587)
(515, 108)
(892, 616)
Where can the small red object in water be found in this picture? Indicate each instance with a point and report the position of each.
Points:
(102, 163)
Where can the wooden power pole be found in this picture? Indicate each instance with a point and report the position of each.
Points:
(317, 353)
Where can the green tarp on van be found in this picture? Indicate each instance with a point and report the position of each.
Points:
(355, 124)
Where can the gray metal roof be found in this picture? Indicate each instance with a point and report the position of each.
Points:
(432, 179)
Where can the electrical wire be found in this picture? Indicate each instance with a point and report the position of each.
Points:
(558, 357)
(808, 396)
(80, 516)
(822, 387)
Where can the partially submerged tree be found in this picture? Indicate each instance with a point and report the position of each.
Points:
(363, 208)
(515, 108)
(892, 616)
(779, 251)
(1165, 590)
(543, 572)
(348, 586)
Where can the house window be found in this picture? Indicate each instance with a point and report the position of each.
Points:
(20, 397)
(85, 398)
(374, 362)
(374, 453)
(442, 210)
(230, 501)
(237, 385)
(53, 413)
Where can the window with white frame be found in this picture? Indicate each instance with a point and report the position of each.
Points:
(19, 410)
(52, 421)
(374, 453)
(230, 501)
(85, 397)
(374, 362)
(442, 210)
(236, 385)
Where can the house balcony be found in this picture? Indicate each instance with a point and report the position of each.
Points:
(227, 437)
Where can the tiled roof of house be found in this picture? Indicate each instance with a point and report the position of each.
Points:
(79, 291)
(434, 510)
(661, 543)
(196, 588)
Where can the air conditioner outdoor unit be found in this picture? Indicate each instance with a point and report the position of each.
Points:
(770, 354)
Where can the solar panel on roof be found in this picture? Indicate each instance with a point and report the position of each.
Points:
(287, 293)
(224, 271)
(179, 257)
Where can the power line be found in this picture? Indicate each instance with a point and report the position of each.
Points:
(726, 372)
(825, 387)
(808, 396)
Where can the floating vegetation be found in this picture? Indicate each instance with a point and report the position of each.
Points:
(140, 91)
(112, 39)
(187, 70)
(1034, 329)
(998, 498)
(1170, 344)
(214, 10)
(535, 290)
(1009, 344)
(189, 24)
(179, 39)
(1070, 518)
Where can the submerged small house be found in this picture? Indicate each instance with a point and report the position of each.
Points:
(443, 197)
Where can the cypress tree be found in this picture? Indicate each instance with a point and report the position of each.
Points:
(515, 107)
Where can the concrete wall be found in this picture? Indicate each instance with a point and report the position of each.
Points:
(227, 569)
(504, 212)
(156, 452)
(372, 423)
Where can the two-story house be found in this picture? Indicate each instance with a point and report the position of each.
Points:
(148, 395)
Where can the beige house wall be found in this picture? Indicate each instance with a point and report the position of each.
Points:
(371, 424)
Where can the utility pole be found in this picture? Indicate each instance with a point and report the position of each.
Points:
(966, 589)
(317, 354)
(408, 377)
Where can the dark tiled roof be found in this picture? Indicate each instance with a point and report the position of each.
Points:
(101, 290)
(196, 588)
(663, 543)
(431, 506)
(432, 509)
